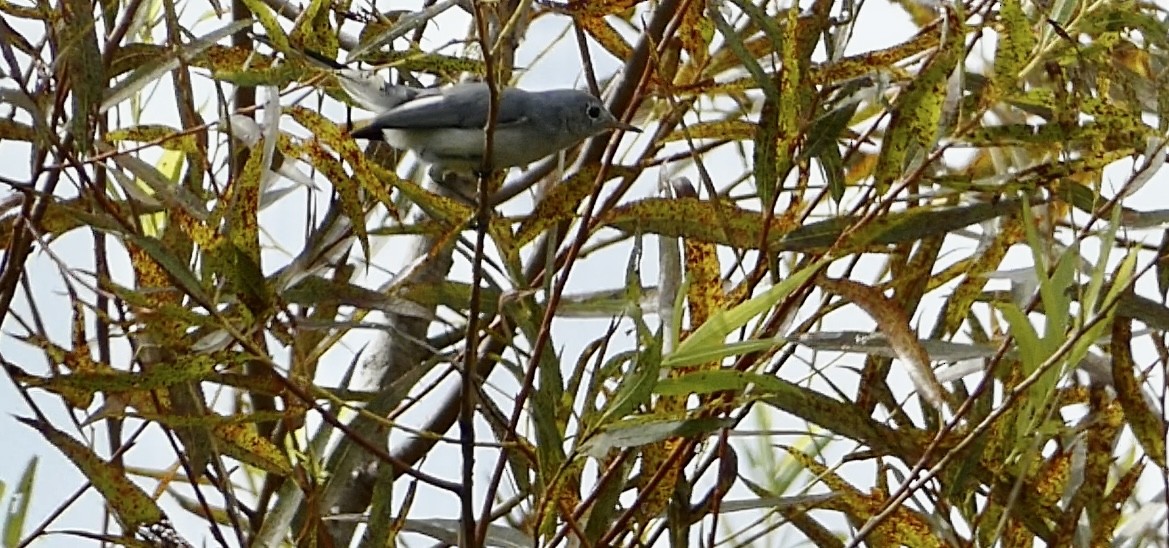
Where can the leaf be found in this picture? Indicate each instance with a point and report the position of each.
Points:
(1113, 509)
(876, 344)
(823, 137)
(717, 353)
(718, 380)
(241, 441)
(175, 269)
(18, 505)
(562, 200)
(704, 284)
(696, 32)
(273, 32)
(312, 31)
(193, 368)
(636, 387)
(82, 59)
(132, 506)
(904, 527)
(607, 36)
(787, 110)
(1147, 426)
(318, 291)
(167, 137)
(448, 531)
(748, 56)
(241, 253)
(639, 431)
(894, 324)
(713, 332)
(162, 187)
(729, 130)
(147, 74)
(743, 229)
(914, 123)
(1015, 45)
(768, 154)
(328, 134)
(416, 59)
(598, 8)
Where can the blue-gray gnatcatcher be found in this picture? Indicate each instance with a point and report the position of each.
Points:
(445, 126)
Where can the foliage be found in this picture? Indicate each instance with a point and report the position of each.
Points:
(708, 410)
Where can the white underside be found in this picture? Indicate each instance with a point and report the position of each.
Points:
(462, 149)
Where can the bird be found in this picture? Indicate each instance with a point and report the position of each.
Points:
(445, 126)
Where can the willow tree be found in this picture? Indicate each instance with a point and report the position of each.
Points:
(897, 296)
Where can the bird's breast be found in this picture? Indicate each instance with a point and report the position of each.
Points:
(464, 147)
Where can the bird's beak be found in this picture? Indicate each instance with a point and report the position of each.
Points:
(618, 124)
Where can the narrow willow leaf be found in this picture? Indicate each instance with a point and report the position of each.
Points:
(894, 323)
(17, 512)
(448, 531)
(167, 137)
(914, 123)
(175, 269)
(318, 291)
(1015, 45)
(82, 59)
(713, 332)
(1147, 425)
(718, 380)
(313, 32)
(717, 353)
(241, 441)
(903, 527)
(133, 507)
(742, 228)
(636, 387)
(607, 37)
(196, 368)
(267, 18)
(562, 200)
(729, 130)
(876, 344)
(639, 431)
(161, 186)
(148, 74)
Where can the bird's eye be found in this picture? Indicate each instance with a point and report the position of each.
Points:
(594, 112)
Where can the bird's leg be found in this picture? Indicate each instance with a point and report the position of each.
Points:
(437, 174)
(454, 184)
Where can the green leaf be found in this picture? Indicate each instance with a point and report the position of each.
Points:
(714, 353)
(913, 126)
(635, 388)
(718, 380)
(636, 432)
(744, 229)
(154, 71)
(711, 335)
(133, 507)
(18, 506)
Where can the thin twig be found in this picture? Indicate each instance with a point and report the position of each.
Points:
(472, 536)
(633, 82)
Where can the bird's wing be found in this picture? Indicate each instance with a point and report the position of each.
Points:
(462, 106)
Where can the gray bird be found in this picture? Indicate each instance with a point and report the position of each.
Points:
(444, 126)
